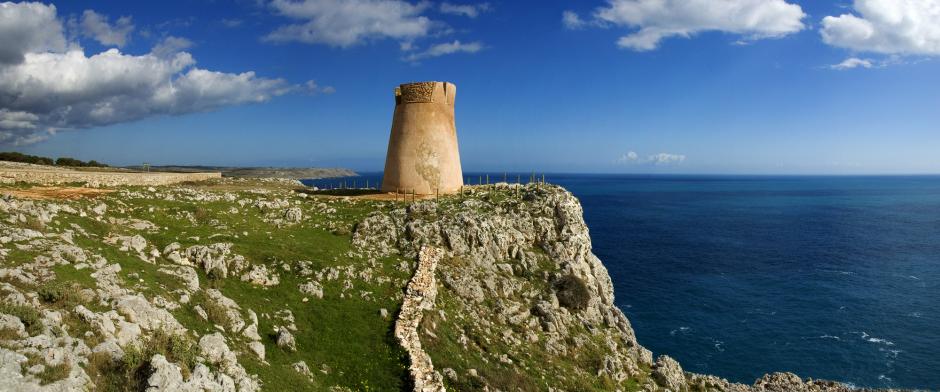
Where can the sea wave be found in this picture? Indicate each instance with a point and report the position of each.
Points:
(866, 337)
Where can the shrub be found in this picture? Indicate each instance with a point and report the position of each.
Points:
(8, 334)
(572, 292)
(202, 214)
(27, 314)
(66, 161)
(133, 370)
(54, 293)
(19, 157)
(51, 374)
(216, 313)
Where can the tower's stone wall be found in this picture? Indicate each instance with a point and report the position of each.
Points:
(422, 150)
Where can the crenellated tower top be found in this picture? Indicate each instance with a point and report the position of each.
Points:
(426, 92)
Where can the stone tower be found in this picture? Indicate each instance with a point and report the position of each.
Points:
(422, 149)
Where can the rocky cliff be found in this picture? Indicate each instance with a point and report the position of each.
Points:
(523, 303)
(244, 285)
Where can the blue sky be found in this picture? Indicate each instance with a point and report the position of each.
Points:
(635, 86)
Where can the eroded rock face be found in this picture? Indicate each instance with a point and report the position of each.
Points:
(518, 262)
(538, 232)
(668, 374)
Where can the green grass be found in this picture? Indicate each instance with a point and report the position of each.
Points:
(347, 335)
(344, 334)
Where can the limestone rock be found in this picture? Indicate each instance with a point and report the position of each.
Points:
(293, 215)
(12, 324)
(312, 288)
(138, 310)
(302, 368)
(259, 275)
(285, 340)
(258, 349)
(668, 374)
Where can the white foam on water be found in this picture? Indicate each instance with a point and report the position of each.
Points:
(891, 353)
(868, 338)
(683, 330)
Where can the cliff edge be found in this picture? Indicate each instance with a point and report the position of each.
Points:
(248, 285)
(523, 303)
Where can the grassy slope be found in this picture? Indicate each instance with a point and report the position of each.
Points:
(345, 334)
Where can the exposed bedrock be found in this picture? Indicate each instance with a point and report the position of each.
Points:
(517, 260)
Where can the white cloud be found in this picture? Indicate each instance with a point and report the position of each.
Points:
(661, 159)
(468, 10)
(345, 23)
(57, 86)
(26, 27)
(311, 87)
(851, 63)
(666, 159)
(171, 45)
(572, 21)
(656, 20)
(445, 49)
(96, 26)
(629, 157)
(903, 27)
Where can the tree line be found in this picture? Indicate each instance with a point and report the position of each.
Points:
(11, 156)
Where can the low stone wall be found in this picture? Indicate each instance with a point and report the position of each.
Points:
(420, 296)
(9, 175)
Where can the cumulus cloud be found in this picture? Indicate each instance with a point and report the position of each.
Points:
(468, 10)
(58, 87)
(661, 159)
(27, 27)
(851, 63)
(903, 27)
(98, 27)
(445, 49)
(344, 23)
(656, 20)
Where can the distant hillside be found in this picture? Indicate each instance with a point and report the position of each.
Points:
(296, 173)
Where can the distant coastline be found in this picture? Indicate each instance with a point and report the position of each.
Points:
(296, 173)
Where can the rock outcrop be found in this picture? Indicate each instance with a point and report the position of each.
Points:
(517, 262)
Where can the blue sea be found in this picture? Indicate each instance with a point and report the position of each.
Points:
(828, 277)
